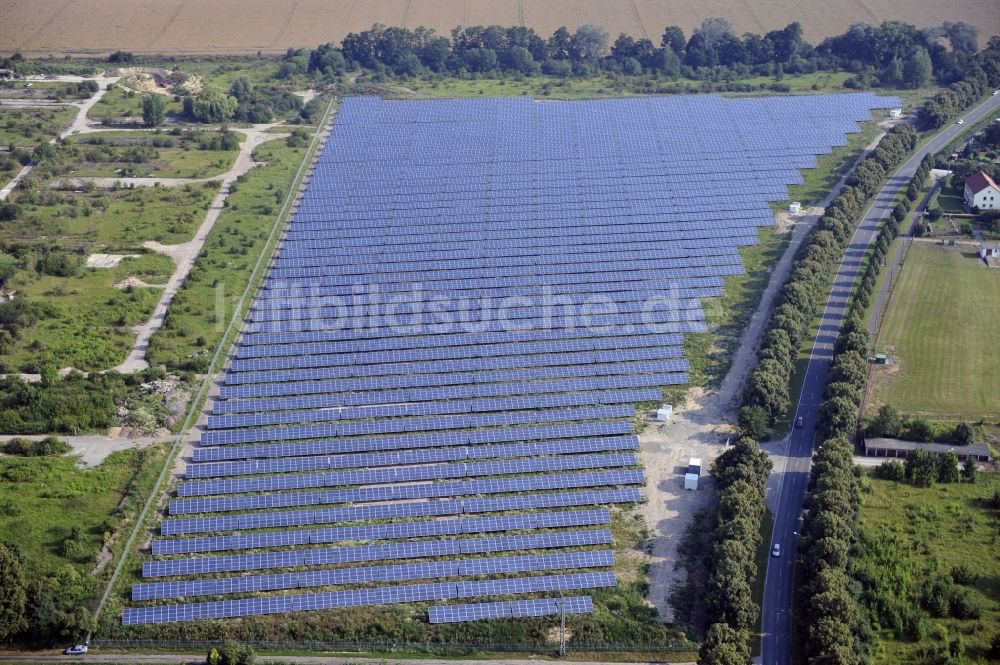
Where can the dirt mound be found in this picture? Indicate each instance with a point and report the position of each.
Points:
(160, 81)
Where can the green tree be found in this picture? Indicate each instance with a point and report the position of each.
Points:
(970, 470)
(754, 422)
(723, 646)
(948, 468)
(13, 599)
(154, 110)
(213, 106)
(963, 434)
(918, 70)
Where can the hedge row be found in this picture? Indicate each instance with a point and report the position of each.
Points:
(833, 628)
(767, 392)
(741, 475)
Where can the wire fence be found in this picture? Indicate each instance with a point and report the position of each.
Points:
(384, 647)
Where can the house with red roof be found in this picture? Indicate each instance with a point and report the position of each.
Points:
(981, 192)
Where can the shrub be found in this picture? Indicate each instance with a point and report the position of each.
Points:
(890, 470)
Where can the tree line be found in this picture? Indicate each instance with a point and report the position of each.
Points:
(894, 53)
(981, 75)
(730, 613)
(766, 396)
(833, 626)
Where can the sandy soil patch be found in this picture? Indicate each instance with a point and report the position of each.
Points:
(107, 260)
(136, 283)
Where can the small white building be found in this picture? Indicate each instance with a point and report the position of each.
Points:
(795, 207)
(989, 252)
(895, 113)
(664, 412)
(693, 473)
(981, 192)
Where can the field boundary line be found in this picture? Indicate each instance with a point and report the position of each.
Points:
(198, 401)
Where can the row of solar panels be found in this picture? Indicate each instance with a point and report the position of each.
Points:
(418, 549)
(396, 492)
(391, 531)
(311, 368)
(403, 474)
(363, 597)
(544, 401)
(415, 424)
(510, 609)
(287, 464)
(387, 511)
(369, 574)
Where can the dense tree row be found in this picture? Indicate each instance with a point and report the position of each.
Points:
(889, 423)
(730, 558)
(893, 53)
(834, 629)
(980, 77)
(767, 392)
(832, 626)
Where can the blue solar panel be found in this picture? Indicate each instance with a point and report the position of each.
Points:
(510, 609)
(468, 300)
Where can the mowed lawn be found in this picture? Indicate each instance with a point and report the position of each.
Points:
(941, 326)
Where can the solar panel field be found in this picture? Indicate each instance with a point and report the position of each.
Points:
(431, 401)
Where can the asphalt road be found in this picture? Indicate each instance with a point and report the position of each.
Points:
(776, 615)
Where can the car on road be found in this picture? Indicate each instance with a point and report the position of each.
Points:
(776, 550)
(76, 650)
(961, 121)
(799, 422)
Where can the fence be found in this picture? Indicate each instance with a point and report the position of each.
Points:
(396, 647)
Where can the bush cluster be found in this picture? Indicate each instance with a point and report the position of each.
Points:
(47, 447)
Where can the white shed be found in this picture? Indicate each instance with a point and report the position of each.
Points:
(795, 207)
(693, 473)
(895, 113)
(664, 412)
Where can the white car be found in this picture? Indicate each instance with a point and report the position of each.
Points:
(960, 121)
(776, 550)
(76, 650)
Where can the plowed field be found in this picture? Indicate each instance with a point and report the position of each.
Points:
(246, 26)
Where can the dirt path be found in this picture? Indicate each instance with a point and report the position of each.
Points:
(700, 427)
(184, 254)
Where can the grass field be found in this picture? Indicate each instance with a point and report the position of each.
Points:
(542, 87)
(951, 199)
(181, 161)
(43, 498)
(939, 327)
(28, 128)
(89, 323)
(926, 525)
(117, 218)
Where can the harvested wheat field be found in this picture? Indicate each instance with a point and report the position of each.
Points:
(246, 26)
